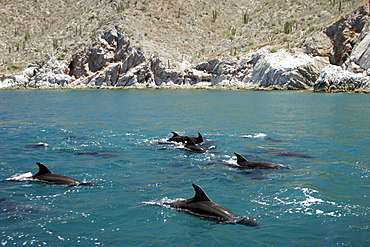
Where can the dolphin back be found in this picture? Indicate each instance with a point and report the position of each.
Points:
(244, 163)
(46, 176)
(240, 159)
(183, 138)
(199, 138)
(247, 221)
(201, 206)
(42, 169)
(200, 195)
(174, 134)
(190, 141)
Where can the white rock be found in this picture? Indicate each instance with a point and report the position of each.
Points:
(7, 83)
(335, 79)
(284, 71)
(361, 53)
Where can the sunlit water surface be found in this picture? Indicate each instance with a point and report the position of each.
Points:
(117, 139)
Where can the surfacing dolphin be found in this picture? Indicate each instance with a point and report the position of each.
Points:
(46, 176)
(37, 145)
(10, 206)
(178, 138)
(191, 146)
(284, 152)
(201, 206)
(244, 163)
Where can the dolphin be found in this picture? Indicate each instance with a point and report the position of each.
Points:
(36, 145)
(284, 152)
(101, 154)
(10, 206)
(46, 176)
(191, 146)
(177, 138)
(201, 206)
(244, 163)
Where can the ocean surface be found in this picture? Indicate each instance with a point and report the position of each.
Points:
(118, 140)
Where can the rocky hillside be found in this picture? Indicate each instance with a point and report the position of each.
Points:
(174, 30)
(316, 45)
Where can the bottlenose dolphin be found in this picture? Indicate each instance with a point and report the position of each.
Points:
(284, 152)
(201, 206)
(46, 176)
(101, 154)
(10, 206)
(244, 163)
(191, 146)
(36, 145)
(177, 138)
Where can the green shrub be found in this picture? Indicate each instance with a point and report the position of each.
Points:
(290, 26)
(214, 15)
(61, 56)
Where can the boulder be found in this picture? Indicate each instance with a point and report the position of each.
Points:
(317, 44)
(281, 70)
(53, 74)
(207, 66)
(164, 76)
(336, 79)
(361, 53)
(20, 81)
(137, 77)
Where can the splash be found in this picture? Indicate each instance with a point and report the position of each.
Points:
(311, 204)
(254, 136)
(21, 177)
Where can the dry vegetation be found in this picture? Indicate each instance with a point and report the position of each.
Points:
(175, 30)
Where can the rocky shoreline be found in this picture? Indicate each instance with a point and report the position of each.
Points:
(342, 65)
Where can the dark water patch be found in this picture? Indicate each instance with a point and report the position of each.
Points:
(283, 152)
(100, 153)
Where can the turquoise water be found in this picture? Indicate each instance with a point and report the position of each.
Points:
(116, 138)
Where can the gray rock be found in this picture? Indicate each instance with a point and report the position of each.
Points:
(317, 44)
(51, 75)
(20, 81)
(164, 76)
(107, 62)
(336, 79)
(344, 34)
(281, 70)
(361, 53)
(207, 66)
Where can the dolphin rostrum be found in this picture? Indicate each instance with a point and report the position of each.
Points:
(191, 146)
(244, 163)
(201, 206)
(178, 138)
(46, 176)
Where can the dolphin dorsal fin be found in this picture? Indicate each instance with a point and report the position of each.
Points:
(240, 158)
(174, 133)
(200, 195)
(200, 138)
(42, 169)
(190, 141)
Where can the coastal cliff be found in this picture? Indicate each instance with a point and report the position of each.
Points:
(335, 59)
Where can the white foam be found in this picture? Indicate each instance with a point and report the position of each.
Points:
(255, 136)
(21, 177)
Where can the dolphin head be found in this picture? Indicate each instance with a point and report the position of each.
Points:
(248, 221)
